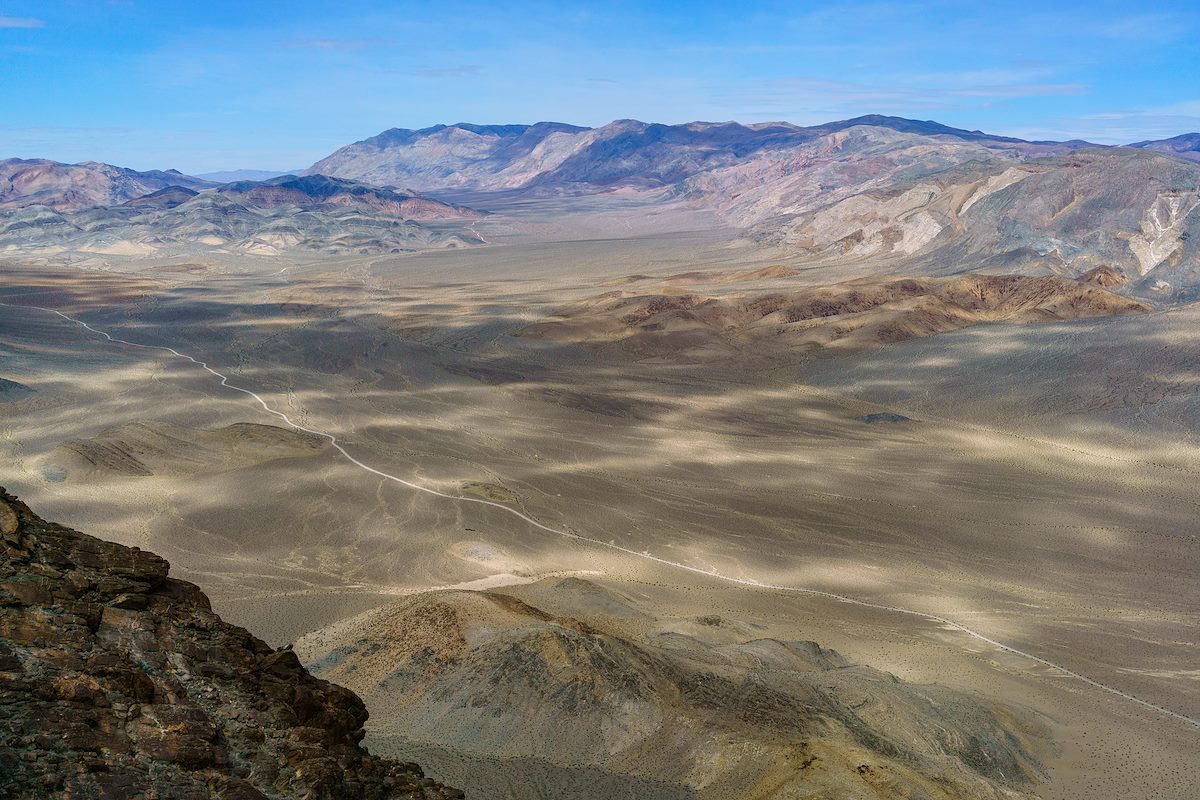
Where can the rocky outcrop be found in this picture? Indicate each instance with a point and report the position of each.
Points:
(1103, 276)
(710, 325)
(117, 681)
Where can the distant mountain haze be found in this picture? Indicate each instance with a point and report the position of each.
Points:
(230, 175)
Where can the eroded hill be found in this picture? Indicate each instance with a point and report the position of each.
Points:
(564, 683)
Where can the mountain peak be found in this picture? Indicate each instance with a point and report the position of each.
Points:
(927, 127)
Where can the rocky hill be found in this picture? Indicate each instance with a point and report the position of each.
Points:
(69, 187)
(566, 688)
(117, 681)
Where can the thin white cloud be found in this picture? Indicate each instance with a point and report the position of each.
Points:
(1021, 90)
(1154, 27)
(1027, 81)
(1123, 126)
(1184, 109)
(336, 44)
(21, 22)
(460, 71)
(904, 96)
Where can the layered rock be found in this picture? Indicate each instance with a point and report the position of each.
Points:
(117, 681)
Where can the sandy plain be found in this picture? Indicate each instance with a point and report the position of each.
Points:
(1042, 491)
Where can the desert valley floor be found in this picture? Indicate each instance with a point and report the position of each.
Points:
(1032, 482)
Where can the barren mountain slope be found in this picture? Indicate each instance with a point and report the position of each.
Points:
(871, 192)
(1133, 210)
(700, 706)
(445, 156)
(624, 153)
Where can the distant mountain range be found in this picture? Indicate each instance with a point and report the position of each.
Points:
(314, 213)
(906, 196)
(67, 187)
(1185, 146)
(625, 152)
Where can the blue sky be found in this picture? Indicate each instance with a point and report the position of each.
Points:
(212, 85)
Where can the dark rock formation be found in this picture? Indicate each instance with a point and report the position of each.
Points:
(117, 681)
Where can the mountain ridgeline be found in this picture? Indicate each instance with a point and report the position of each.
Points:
(70, 187)
(625, 152)
(910, 197)
(905, 197)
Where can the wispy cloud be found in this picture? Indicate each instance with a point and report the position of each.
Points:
(1184, 109)
(336, 44)
(1029, 80)
(1124, 126)
(817, 97)
(460, 71)
(1020, 90)
(812, 100)
(1153, 27)
(21, 22)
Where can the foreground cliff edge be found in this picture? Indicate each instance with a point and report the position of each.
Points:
(117, 681)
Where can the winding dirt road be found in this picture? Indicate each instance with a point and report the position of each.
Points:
(943, 621)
